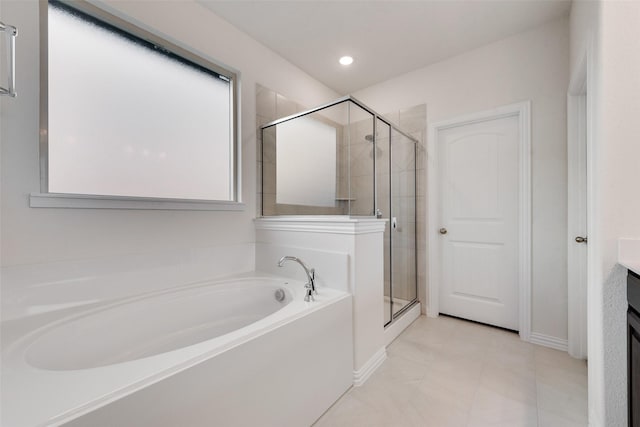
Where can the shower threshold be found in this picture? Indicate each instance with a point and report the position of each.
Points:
(399, 306)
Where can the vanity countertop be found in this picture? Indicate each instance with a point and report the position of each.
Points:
(629, 254)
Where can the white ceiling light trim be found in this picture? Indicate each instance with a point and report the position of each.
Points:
(346, 60)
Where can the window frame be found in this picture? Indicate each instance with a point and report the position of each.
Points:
(70, 200)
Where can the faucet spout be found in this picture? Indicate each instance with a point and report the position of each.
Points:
(311, 275)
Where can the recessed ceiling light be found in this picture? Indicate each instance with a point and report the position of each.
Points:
(346, 60)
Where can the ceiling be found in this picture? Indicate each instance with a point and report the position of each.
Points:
(386, 38)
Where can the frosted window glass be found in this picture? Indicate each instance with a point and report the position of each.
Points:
(127, 120)
(305, 163)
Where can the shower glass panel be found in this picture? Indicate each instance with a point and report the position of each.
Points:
(403, 221)
(319, 163)
(361, 162)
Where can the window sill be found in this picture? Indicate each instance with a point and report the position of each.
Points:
(81, 201)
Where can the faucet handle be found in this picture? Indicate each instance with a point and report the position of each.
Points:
(308, 296)
(312, 276)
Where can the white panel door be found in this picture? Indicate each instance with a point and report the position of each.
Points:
(479, 235)
(577, 255)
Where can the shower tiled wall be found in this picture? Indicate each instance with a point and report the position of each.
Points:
(361, 167)
(271, 106)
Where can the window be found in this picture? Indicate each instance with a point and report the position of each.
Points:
(306, 163)
(129, 115)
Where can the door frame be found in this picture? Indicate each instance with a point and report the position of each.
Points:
(522, 110)
(579, 149)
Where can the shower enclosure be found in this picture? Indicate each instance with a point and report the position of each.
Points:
(343, 158)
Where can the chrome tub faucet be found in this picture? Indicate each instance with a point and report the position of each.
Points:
(310, 286)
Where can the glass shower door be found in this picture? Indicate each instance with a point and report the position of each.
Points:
(383, 204)
(403, 222)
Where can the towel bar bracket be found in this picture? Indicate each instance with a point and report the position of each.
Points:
(11, 33)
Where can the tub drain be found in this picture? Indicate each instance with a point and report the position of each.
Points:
(280, 295)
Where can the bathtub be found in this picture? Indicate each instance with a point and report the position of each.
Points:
(243, 351)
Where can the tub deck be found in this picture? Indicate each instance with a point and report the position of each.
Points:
(317, 335)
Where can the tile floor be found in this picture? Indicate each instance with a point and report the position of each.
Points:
(448, 372)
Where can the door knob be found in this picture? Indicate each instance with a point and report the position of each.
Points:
(443, 230)
(580, 239)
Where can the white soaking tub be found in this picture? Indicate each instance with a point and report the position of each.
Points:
(246, 351)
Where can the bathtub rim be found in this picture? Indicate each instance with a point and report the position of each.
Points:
(31, 340)
(164, 364)
(26, 341)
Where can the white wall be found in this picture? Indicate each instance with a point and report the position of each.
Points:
(584, 37)
(619, 185)
(610, 29)
(44, 235)
(529, 66)
(620, 144)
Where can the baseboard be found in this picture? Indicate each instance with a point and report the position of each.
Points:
(361, 375)
(548, 341)
(392, 331)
